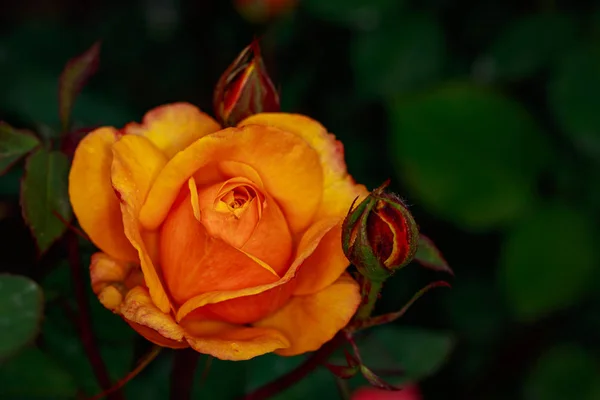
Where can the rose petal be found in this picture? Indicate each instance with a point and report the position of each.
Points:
(139, 311)
(306, 247)
(248, 309)
(309, 321)
(324, 266)
(136, 164)
(289, 168)
(173, 127)
(232, 342)
(339, 189)
(193, 262)
(155, 337)
(111, 279)
(92, 196)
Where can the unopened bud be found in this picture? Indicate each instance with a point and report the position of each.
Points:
(245, 88)
(379, 235)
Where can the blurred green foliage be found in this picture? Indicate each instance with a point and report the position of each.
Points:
(486, 115)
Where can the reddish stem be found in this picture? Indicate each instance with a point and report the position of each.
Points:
(182, 374)
(84, 320)
(315, 360)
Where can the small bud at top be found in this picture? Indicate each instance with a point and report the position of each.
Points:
(245, 88)
(379, 235)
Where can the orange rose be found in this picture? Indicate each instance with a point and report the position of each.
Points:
(225, 240)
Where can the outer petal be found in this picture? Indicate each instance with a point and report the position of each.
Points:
(306, 247)
(324, 266)
(232, 342)
(92, 196)
(140, 312)
(309, 321)
(111, 279)
(339, 189)
(249, 309)
(289, 168)
(135, 165)
(173, 127)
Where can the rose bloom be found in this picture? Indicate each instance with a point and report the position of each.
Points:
(223, 240)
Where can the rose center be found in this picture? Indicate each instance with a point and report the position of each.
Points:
(231, 210)
(235, 201)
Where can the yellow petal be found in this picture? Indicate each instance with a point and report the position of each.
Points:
(339, 189)
(108, 277)
(324, 266)
(232, 342)
(136, 164)
(92, 196)
(141, 313)
(288, 167)
(306, 247)
(310, 321)
(173, 127)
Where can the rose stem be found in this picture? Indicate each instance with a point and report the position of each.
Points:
(314, 360)
(182, 374)
(84, 320)
(370, 293)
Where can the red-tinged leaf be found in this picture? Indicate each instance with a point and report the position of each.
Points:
(375, 380)
(387, 318)
(74, 76)
(430, 257)
(43, 193)
(14, 144)
(142, 363)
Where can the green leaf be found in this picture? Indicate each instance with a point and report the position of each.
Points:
(34, 375)
(362, 14)
(430, 257)
(74, 76)
(530, 43)
(548, 261)
(21, 307)
(43, 193)
(399, 56)
(565, 371)
(573, 96)
(468, 155)
(14, 144)
(416, 352)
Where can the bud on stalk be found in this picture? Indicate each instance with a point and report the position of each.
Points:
(245, 88)
(379, 235)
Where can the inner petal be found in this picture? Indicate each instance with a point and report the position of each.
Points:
(195, 262)
(231, 210)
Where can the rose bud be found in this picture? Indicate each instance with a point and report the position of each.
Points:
(379, 235)
(245, 88)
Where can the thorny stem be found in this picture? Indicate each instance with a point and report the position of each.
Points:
(84, 320)
(312, 362)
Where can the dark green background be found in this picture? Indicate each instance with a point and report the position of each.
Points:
(485, 114)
